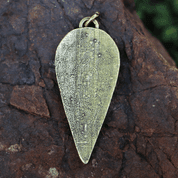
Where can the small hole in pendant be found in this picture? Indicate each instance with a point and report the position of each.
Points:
(99, 55)
(95, 40)
(86, 34)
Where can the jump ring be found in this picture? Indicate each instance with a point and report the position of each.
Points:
(86, 19)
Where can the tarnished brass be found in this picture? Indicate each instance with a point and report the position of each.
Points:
(91, 19)
(86, 19)
(87, 64)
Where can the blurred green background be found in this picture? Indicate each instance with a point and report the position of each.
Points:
(160, 17)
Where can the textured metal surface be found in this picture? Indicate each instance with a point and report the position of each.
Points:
(87, 63)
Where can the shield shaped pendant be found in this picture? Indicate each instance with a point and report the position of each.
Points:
(87, 64)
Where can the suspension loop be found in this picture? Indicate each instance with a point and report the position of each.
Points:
(87, 20)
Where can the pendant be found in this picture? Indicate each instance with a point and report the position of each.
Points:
(87, 63)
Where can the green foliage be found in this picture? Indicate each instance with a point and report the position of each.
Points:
(170, 34)
(161, 19)
(175, 5)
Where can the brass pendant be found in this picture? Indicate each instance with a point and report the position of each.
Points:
(87, 65)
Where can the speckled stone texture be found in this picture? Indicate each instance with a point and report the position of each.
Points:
(139, 136)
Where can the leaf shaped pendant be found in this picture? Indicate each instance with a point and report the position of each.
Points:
(87, 64)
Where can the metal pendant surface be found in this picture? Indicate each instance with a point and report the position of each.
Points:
(87, 64)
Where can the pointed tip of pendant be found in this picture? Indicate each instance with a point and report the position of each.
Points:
(84, 154)
(85, 150)
(85, 160)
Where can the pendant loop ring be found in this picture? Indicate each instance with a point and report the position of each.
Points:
(92, 18)
(87, 19)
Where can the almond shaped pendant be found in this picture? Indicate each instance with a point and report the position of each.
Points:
(87, 64)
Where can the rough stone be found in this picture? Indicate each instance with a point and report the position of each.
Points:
(174, 157)
(14, 148)
(29, 99)
(135, 166)
(139, 136)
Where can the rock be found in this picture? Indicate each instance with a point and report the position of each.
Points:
(2, 146)
(139, 136)
(52, 173)
(135, 166)
(14, 148)
(29, 99)
(174, 157)
(16, 74)
(88, 4)
(26, 167)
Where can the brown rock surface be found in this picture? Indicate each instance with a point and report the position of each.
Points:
(30, 99)
(139, 136)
